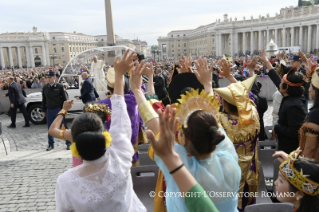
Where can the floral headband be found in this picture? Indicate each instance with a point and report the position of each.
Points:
(296, 178)
(99, 107)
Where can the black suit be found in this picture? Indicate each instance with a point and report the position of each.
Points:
(16, 95)
(87, 91)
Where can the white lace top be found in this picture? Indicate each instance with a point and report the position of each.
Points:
(104, 184)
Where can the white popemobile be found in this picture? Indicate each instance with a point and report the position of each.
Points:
(72, 80)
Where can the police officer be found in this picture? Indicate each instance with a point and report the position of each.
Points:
(53, 96)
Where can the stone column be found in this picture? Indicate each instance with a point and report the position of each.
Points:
(309, 39)
(10, 56)
(300, 38)
(31, 57)
(276, 36)
(260, 46)
(220, 46)
(233, 45)
(284, 37)
(268, 38)
(27, 55)
(252, 42)
(44, 56)
(244, 42)
(47, 51)
(2, 58)
(292, 36)
(317, 38)
(19, 57)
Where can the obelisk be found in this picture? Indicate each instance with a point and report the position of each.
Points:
(109, 30)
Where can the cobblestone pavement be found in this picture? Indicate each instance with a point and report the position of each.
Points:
(28, 173)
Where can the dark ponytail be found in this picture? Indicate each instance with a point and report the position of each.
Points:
(203, 132)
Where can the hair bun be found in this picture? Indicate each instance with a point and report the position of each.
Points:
(212, 129)
(216, 135)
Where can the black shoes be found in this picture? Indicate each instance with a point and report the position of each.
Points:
(50, 148)
(27, 125)
(10, 126)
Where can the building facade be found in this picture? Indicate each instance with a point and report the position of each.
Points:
(292, 27)
(35, 48)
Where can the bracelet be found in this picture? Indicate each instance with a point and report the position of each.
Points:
(62, 131)
(147, 112)
(178, 168)
(63, 112)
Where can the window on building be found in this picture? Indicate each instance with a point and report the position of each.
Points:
(213, 40)
(54, 50)
(171, 35)
(172, 50)
(53, 37)
(178, 45)
(70, 49)
(62, 49)
(164, 48)
(172, 45)
(36, 50)
(179, 55)
(73, 49)
(184, 44)
(184, 35)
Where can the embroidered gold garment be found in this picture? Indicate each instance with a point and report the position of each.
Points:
(244, 138)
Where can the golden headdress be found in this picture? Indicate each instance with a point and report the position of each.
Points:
(296, 178)
(92, 108)
(194, 101)
(237, 94)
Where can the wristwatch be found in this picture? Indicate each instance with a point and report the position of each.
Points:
(63, 112)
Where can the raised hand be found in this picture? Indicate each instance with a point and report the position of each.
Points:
(203, 73)
(189, 60)
(302, 57)
(252, 64)
(124, 64)
(148, 70)
(164, 145)
(136, 76)
(263, 56)
(226, 68)
(67, 105)
(183, 66)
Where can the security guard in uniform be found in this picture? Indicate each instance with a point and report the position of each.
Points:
(53, 96)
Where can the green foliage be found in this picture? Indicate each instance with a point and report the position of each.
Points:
(154, 47)
(304, 3)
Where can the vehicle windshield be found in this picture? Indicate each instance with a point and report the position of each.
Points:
(84, 62)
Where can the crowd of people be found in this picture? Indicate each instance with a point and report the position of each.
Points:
(203, 137)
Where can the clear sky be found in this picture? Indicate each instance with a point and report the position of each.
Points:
(145, 19)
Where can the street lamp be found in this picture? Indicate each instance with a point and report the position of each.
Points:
(53, 56)
(156, 52)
